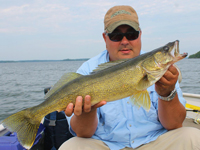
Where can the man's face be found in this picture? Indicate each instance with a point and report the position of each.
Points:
(123, 49)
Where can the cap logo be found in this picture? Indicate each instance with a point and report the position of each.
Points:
(120, 12)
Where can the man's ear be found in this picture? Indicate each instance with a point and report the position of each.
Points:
(104, 36)
(140, 32)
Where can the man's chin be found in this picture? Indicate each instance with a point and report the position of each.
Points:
(126, 56)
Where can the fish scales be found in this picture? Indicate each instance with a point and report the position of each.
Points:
(110, 81)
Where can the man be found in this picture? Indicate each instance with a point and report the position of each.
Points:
(119, 125)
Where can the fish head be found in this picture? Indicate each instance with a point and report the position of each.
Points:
(168, 54)
(159, 60)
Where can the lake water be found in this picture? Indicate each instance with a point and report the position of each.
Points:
(22, 84)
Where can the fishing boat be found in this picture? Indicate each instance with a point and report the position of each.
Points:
(193, 110)
(192, 120)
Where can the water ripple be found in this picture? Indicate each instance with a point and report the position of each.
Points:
(22, 84)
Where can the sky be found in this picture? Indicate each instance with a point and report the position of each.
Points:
(62, 29)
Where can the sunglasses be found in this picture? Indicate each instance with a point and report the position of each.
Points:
(116, 37)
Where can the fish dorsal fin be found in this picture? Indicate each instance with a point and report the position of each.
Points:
(107, 65)
(67, 77)
(141, 98)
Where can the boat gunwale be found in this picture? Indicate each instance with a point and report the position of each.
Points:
(191, 95)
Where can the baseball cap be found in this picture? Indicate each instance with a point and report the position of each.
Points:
(120, 15)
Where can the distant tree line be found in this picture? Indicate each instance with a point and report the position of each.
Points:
(79, 59)
(10, 61)
(197, 55)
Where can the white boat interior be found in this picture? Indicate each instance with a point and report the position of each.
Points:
(193, 104)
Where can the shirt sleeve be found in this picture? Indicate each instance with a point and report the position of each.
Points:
(84, 69)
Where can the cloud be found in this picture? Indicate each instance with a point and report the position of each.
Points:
(33, 17)
(50, 17)
(74, 28)
(157, 7)
(39, 16)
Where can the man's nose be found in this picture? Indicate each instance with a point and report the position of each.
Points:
(124, 41)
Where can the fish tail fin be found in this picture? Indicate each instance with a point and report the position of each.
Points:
(141, 98)
(26, 126)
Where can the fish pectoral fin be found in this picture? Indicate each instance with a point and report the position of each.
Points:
(67, 77)
(141, 98)
(144, 83)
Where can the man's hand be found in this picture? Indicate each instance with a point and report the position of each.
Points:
(166, 84)
(171, 114)
(84, 121)
(79, 108)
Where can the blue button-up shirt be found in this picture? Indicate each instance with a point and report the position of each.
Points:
(121, 124)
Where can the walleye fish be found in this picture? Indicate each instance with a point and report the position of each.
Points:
(110, 81)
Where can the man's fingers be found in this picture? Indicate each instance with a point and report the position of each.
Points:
(78, 106)
(69, 109)
(163, 81)
(173, 69)
(167, 82)
(87, 104)
(101, 103)
(171, 73)
(170, 77)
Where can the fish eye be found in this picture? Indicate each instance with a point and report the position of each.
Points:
(166, 48)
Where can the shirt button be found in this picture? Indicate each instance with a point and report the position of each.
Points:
(130, 125)
(132, 141)
(127, 102)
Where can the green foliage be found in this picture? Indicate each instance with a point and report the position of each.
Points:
(197, 55)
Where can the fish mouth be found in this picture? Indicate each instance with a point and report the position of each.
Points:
(175, 52)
